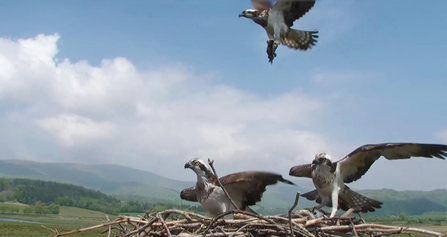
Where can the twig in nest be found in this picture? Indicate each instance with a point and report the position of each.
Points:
(164, 224)
(297, 198)
(353, 226)
(110, 227)
(139, 230)
(210, 162)
(215, 219)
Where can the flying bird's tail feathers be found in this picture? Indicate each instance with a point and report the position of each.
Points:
(299, 39)
(348, 199)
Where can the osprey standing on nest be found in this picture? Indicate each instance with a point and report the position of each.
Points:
(245, 188)
(330, 177)
(277, 20)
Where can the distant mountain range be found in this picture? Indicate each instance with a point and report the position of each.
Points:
(132, 184)
(128, 183)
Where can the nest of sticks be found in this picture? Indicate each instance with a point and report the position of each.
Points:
(188, 224)
(178, 223)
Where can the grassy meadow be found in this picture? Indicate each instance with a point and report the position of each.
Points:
(68, 219)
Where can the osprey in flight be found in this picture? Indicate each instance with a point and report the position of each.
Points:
(245, 188)
(330, 177)
(277, 20)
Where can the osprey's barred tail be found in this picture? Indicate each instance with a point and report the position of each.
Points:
(299, 39)
(357, 201)
(348, 199)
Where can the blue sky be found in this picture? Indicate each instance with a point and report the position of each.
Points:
(151, 84)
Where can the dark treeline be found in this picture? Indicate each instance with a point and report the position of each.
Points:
(30, 192)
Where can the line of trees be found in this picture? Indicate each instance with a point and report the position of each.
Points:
(51, 194)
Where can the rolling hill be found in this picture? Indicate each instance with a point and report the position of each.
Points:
(132, 184)
(127, 183)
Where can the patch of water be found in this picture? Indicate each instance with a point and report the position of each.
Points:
(17, 220)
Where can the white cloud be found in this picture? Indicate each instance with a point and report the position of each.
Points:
(73, 129)
(154, 120)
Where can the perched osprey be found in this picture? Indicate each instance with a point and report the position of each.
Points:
(330, 177)
(245, 188)
(277, 20)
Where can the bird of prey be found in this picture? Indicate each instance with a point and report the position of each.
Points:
(244, 188)
(277, 21)
(330, 177)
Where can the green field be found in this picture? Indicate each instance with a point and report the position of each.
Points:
(68, 219)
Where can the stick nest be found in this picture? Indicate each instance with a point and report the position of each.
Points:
(188, 224)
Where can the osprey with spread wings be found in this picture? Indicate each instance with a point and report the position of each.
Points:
(245, 188)
(277, 21)
(330, 177)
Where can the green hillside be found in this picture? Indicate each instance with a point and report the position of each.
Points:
(438, 196)
(129, 184)
(122, 181)
(108, 178)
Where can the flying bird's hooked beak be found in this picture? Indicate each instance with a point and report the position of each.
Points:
(242, 14)
(315, 162)
(188, 165)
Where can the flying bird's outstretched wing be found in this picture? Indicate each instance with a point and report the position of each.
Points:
(189, 194)
(293, 10)
(248, 187)
(301, 171)
(357, 163)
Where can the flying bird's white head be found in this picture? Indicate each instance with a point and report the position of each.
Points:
(202, 169)
(249, 13)
(323, 160)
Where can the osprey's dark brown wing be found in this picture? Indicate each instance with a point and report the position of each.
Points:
(246, 188)
(189, 194)
(301, 171)
(261, 4)
(293, 10)
(357, 163)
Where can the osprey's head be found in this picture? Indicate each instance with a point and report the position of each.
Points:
(323, 159)
(249, 13)
(202, 169)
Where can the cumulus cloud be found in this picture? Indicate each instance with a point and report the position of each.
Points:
(73, 129)
(57, 110)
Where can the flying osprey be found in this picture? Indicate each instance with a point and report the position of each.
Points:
(330, 177)
(277, 19)
(245, 188)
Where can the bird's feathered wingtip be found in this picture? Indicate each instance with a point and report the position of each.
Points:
(287, 181)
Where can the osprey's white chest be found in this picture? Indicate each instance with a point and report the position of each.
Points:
(214, 201)
(322, 177)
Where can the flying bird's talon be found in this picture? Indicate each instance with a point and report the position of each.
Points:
(271, 50)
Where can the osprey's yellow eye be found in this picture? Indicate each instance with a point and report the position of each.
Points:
(197, 163)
